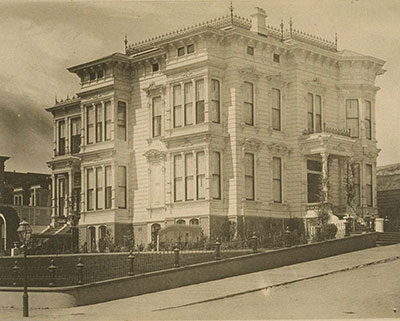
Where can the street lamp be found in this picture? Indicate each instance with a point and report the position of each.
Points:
(24, 233)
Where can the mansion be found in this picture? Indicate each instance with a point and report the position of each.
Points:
(230, 120)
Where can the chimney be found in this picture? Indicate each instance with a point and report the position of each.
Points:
(258, 21)
(2, 177)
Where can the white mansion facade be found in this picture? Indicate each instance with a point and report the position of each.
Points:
(225, 120)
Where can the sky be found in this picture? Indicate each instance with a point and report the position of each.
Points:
(39, 40)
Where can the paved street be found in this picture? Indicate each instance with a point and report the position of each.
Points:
(362, 291)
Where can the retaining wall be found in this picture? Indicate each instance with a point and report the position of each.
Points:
(186, 275)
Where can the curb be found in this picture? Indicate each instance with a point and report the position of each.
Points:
(390, 259)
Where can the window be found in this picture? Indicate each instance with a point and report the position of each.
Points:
(318, 113)
(314, 178)
(107, 119)
(100, 73)
(99, 188)
(200, 175)
(177, 105)
(90, 124)
(216, 175)
(276, 109)
(250, 50)
(352, 117)
(90, 189)
(181, 51)
(121, 132)
(108, 187)
(314, 113)
(199, 101)
(75, 135)
(356, 184)
(248, 103)
(188, 104)
(189, 177)
(155, 67)
(368, 185)
(99, 123)
(277, 179)
(92, 75)
(368, 124)
(190, 49)
(157, 116)
(178, 178)
(215, 101)
(122, 186)
(61, 137)
(181, 222)
(194, 221)
(249, 175)
(276, 58)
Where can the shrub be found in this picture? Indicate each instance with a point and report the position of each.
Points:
(328, 231)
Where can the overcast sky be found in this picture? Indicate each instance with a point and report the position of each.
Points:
(39, 40)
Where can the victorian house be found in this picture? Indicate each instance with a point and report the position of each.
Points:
(230, 120)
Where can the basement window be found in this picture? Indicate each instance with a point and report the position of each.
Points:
(276, 58)
(250, 50)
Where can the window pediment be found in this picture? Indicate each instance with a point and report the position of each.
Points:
(315, 85)
(249, 73)
(279, 149)
(155, 90)
(154, 156)
(251, 144)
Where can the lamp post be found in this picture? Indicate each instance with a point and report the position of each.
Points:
(24, 233)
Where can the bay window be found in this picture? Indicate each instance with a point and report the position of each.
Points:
(90, 124)
(352, 117)
(121, 117)
(216, 175)
(368, 119)
(199, 101)
(200, 175)
(188, 97)
(75, 135)
(178, 178)
(368, 185)
(215, 101)
(90, 189)
(107, 119)
(108, 187)
(61, 137)
(189, 177)
(177, 105)
(99, 188)
(122, 187)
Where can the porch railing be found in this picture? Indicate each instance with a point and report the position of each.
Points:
(329, 130)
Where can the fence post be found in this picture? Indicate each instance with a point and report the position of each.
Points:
(131, 259)
(176, 252)
(16, 269)
(52, 269)
(254, 242)
(217, 249)
(79, 267)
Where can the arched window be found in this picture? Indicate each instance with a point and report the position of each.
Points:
(154, 232)
(194, 221)
(180, 222)
(92, 238)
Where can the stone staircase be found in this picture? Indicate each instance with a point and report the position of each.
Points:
(388, 238)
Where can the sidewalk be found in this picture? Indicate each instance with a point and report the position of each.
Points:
(158, 305)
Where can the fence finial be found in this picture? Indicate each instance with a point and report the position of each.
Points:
(126, 44)
(231, 10)
(291, 26)
(282, 29)
(336, 40)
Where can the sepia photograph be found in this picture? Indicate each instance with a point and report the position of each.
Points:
(199, 160)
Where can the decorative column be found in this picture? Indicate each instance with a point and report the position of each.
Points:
(325, 176)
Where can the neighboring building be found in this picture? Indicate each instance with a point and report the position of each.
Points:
(228, 120)
(388, 195)
(28, 194)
